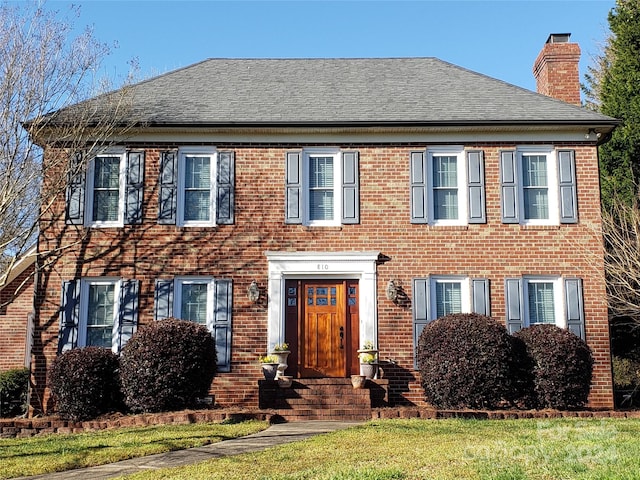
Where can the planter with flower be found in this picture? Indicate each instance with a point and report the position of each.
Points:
(368, 355)
(269, 366)
(281, 353)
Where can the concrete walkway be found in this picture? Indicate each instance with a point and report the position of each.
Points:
(277, 434)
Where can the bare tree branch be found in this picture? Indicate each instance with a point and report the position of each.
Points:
(46, 75)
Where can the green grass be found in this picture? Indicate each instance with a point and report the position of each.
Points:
(54, 453)
(555, 449)
(442, 449)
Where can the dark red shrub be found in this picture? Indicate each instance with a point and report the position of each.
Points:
(469, 361)
(562, 366)
(167, 365)
(84, 383)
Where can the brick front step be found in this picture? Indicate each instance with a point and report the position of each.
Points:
(323, 397)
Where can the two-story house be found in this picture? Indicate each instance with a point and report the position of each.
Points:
(361, 197)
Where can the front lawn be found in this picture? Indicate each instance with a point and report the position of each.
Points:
(55, 453)
(442, 449)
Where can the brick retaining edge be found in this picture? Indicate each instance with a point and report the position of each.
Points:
(27, 427)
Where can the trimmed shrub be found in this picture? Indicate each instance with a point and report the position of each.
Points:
(14, 387)
(562, 366)
(84, 383)
(167, 365)
(469, 361)
(626, 373)
(626, 381)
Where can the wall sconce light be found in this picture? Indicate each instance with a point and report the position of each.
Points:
(253, 292)
(392, 290)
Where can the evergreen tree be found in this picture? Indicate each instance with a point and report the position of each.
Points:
(613, 88)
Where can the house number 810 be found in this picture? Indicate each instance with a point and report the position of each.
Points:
(322, 266)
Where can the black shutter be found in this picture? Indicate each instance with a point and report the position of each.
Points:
(574, 306)
(134, 190)
(350, 188)
(509, 183)
(163, 299)
(168, 188)
(421, 315)
(293, 193)
(69, 316)
(567, 185)
(513, 301)
(128, 318)
(475, 179)
(418, 195)
(74, 214)
(481, 296)
(225, 180)
(222, 323)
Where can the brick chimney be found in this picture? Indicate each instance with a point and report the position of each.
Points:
(556, 69)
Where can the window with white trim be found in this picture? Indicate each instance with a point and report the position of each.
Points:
(449, 295)
(105, 190)
(99, 303)
(538, 186)
(98, 312)
(204, 300)
(196, 186)
(322, 187)
(194, 300)
(322, 182)
(533, 300)
(439, 295)
(447, 186)
(543, 301)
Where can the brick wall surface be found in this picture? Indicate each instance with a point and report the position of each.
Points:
(16, 300)
(557, 72)
(493, 250)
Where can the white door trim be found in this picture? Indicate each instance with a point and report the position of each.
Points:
(319, 265)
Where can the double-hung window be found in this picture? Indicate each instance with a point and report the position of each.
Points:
(194, 300)
(100, 305)
(323, 180)
(541, 301)
(196, 199)
(196, 202)
(448, 198)
(106, 184)
(98, 312)
(322, 187)
(439, 295)
(449, 295)
(196, 187)
(538, 186)
(447, 186)
(108, 192)
(204, 300)
(534, 300)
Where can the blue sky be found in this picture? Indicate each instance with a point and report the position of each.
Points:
(500, 39)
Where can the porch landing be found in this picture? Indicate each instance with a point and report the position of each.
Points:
(323, 399)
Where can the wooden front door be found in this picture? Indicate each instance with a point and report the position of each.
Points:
(326, 324)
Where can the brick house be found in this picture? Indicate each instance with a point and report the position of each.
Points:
(364, 197)
(16, 312)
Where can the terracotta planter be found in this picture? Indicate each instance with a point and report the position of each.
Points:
(358, 381)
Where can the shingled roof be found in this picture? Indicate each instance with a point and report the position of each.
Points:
(371, 91)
